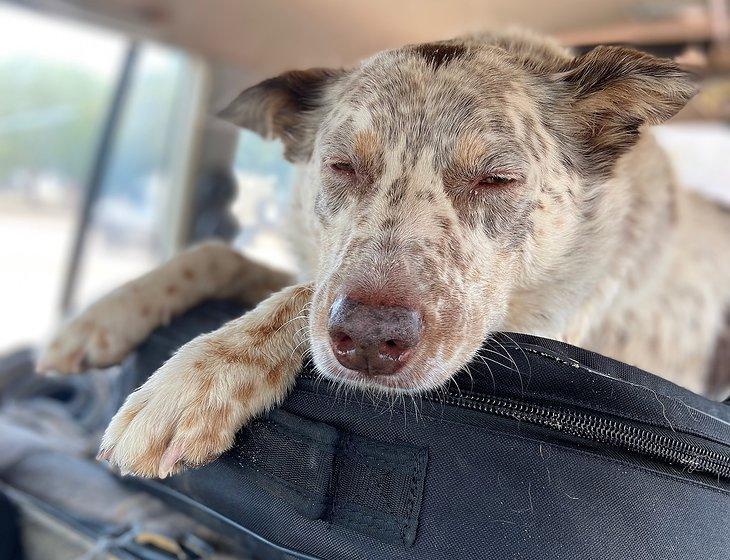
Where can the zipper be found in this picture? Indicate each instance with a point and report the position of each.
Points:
(693, 458)
(629, 437)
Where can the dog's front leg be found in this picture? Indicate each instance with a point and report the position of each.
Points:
(189, 411)
(113, 326)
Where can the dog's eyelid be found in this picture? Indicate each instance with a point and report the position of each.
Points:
(343, 167)
(499, 175)
(340, 161)
(503, 172)
(336, 158)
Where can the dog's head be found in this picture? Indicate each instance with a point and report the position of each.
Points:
(448, 180)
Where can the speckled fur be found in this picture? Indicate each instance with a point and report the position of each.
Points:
(586, 240)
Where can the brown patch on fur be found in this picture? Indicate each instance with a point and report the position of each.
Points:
(127, 414)
(441, 53)
(275, 374)
(171, 289)
(430, 264)
(145, 311)
(236, 356)
(444, 223)
(216, 417)
(199, 365)
(397, 191)
(367, 152)
(243, 393)
(147, 463)
(103, 339)
(262, 333)
(188, 274)
(468, 150)
(205, 386)
(281, 316)
(389, 223)
(425, 195)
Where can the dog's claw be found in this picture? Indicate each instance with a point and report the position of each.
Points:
(104, 454)
(169, 460)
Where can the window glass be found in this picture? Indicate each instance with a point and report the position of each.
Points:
(698, 152)
(264, 184)
(56, 80)
(126, 236)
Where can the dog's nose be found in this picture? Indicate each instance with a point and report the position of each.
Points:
(372, 339)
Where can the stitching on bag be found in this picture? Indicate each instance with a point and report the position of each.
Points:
(417, 475)
(352, 451)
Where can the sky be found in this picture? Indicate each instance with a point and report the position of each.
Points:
(26, 33)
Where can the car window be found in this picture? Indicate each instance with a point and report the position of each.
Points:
(131, 216)
(264, 181)
(57, 84)
(56, 80)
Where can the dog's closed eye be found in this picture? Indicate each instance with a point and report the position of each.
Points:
(343, 168)
(494, 180)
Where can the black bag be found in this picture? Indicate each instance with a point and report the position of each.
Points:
(542, 451)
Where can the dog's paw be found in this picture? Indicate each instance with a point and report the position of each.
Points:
(100, 337)
(83, 343)
(186, 414)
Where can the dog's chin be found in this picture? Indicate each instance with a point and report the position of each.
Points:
(402, 381)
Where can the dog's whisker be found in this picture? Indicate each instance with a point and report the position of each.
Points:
(489, 369)
(524, 354)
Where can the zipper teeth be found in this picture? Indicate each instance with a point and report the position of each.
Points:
(691, 457)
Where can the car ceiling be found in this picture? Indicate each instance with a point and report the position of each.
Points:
(268, 36)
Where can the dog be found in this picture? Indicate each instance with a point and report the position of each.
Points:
(446, 191)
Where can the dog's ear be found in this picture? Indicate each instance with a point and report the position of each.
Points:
(615, 90)
(287, 107)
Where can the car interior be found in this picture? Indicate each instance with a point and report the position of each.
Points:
(112, 159)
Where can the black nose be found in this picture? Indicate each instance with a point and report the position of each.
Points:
(372, 339)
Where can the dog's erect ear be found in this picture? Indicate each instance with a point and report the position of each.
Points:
(615, 90)
(287, 107)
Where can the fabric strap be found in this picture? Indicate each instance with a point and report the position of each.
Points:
(348, 480)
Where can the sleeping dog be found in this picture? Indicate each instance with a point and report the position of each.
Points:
(446, 191)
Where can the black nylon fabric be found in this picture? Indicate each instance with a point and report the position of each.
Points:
(491, 488)
(367, 486)
(292, 458)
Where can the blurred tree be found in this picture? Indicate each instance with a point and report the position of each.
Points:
(49, 117)
(141, 146)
